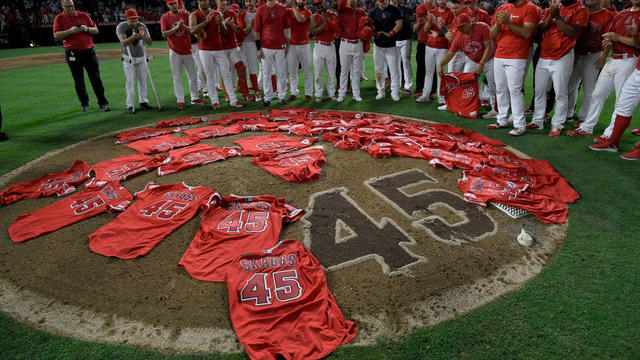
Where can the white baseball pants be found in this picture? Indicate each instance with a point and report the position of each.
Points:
(404, 62)
(196, 58)
(558, 72)
(214, 61)
(432, 57)
(386, 57)
(324, 57)
(629, 96)
(508, 75)
(584, 71)
(274, 60)
(351, 62)
(135, 70)
(177, 62)
(300, 54)
(470, 66)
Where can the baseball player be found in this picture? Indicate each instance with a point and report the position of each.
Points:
(457, 64)
(625, 105)
(232, 50)
(75, 29)
(512, 26)
(132, 34)
(208, 25)
(173, 25)
(617, 69)
(403, 43)
(588, 61)
(351, 48)
(202, 82)
(324, 25)
(562, 23)
(418, 27)
(272, 32)
(387, 21)
(436, 25)
(247, 19)
(474, 41)
(300, 49)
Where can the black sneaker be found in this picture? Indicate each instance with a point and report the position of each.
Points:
(84, 108)
(266, 103)
(283, 101)
(104, 107)
(131, 110)
(145, 106)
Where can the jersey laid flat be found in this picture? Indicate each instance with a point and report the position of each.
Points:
(206, 132)
(160, 210)
(196, 155)
(461, 93)
(233, 226)
(272, 143)
(299, 165)
(181, 121)
(123, 167)
(97, 197)
(139, 134)
(162, 143)
(60, 183)
(281, 307)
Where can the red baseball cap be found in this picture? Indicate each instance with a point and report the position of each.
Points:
(462, 19)
(234, 7)
(180, 3)
(171, 1)
(131, 14)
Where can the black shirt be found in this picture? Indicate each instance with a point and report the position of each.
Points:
(406, 32)
(385, 20)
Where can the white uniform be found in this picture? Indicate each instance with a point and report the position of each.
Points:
(557, 71)
(351, 54)
(324, 57)
(180, 55)
(133, 64)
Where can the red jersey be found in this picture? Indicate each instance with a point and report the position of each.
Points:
(281, 307)
(233, 118)
(349, 20)
(181, 121)
(213, 40)
(123, 167)
(180, 42)
(270, 24)
(434, 40)
(299, 30)
(97, 197)
(60, 183)
(330, 32)
(162, 143)
(206, 132)
(233, 226)
(272, 143)
(479, 15)
(139, 134)
(479, 190)
(230, 40)
(196, 155)
(623, 19)
(159, 211)
(80, 40)
(555, 44)
(472, 46)
(508, 44)
(461, 93)
(590, 40)
(298, 166)
(422, 35)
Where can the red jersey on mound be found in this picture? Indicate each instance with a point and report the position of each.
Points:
(196, 155)
(206, 132)
(461, 93)
(272, 143)
(97, 197)
(299, 165)
(162, 143)
(160, 210)
(139, 134)
(122, 167)
(281, 307)
(181, 121)
(60, 183)
(233, 226)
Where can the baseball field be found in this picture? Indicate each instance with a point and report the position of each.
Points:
(584, 304)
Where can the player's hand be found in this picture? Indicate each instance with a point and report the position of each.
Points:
(440, 22)
(599, 63)
(136, 35)
(554, 12)
(632, 29)
(479, 69)
(503, 18)
(76, 29)
(611, 36)
(260, 54)
(440, 70)
(209, 17)
(84, 28)
(449, 35)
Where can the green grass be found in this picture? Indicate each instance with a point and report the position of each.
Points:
(584, 305)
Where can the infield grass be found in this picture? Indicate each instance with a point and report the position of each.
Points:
(584, 305)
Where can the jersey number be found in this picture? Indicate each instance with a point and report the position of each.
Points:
(254, 221)
(83, 205)
(164, 209)
(285, 283)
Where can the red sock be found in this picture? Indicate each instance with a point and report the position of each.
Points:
(274, 84)
(254, 82)
(621, 124)
(242, 79)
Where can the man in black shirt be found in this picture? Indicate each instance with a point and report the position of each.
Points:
(403, 43)
(388, 22)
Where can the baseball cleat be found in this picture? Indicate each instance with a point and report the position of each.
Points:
(292, 97)
(604, 146)
(517, 131)
(131, 110)
(395, 97)
(332, 98)
(380, 95)
(237, 104)
(105, 107)
(318, 100)
(554, 132)
(496, 125)
(578, 132)
(442, 107)
(635, 131)
(283, 101)
(534, 126)
(307, 97)
(600, 139)
(198, 102)
(216, 106)
(490, 115)
(357, 98)
(633, 154)
(340, 98)
(84, 108)
(266, 103)
(145, 106)
(421, 99)
(181, 105)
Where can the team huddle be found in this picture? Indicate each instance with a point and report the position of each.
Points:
(218, 45)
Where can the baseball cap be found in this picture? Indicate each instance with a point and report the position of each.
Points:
(234, 7)
(462, 19)
(318, 1)
(131, 14)
(171, 1)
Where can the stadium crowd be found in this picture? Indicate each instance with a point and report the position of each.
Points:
(592, 45)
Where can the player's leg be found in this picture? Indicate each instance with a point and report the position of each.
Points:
(305, 61)
(331, 72)
(346, 57)
(292, 62)
(429, 71)
(92, 67)
(379, 67)
(77, 72)
(491, 83)
(209, 66)
(391, 58)
(357, 70)
(604, 86)
(589, 79)
(406, 65)
(318, 66)
(420, 49)
(281, 73)
(560, 72)
(440, 53)
(502, 91)
(515, 72)
(176, 74)
(225, 72)
(202, 83)
(141, 73)
(573, 87)
(192, 77)
(624, 70)
(542, 82)
(267, 68)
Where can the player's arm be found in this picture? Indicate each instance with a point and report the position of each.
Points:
(418, 24)
(299, 17)
(397, 27)
(554, 12)
(193, 22)
(145, 34)
(445, 60)
(567, 29)
(524, 31)
(256, 35)
(315, 28)
(172, 31)
(126, 41)
(488, 45)
(59, 35)
(497, 26)
(627, 40)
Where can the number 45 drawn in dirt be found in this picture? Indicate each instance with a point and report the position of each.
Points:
(340, 233)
